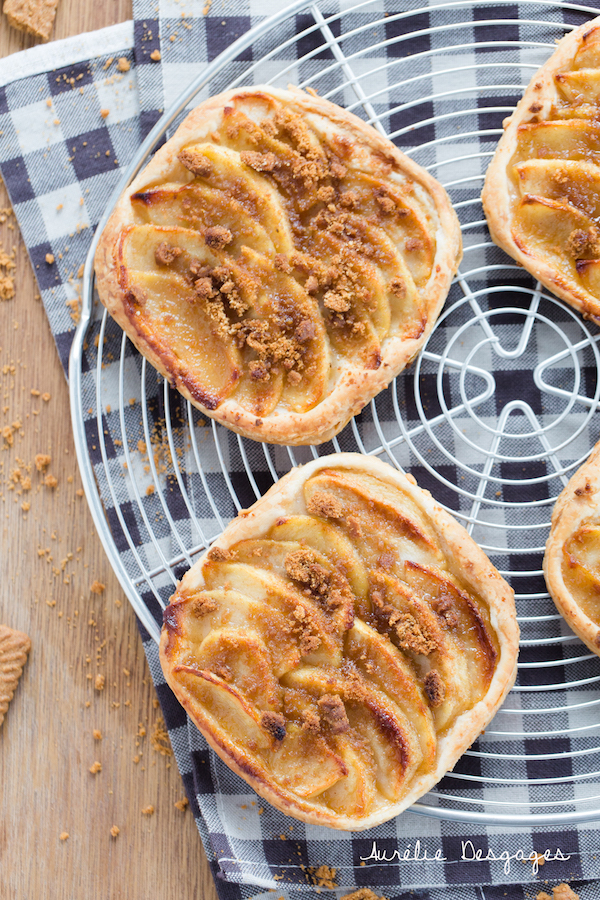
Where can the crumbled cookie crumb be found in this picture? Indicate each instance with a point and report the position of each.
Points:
(105, 113)
(202, 606)
(99, 682)
(97, 587)
(410, 634)
(564, 892)
(64, 836)
(216, 237)
(42, 461)
(97, 734)
(195, 162)
(182, 804)
(159, 739)
(324, 876)
(325, 504)
(434, 688)
(50, 258)
(333, 712)
(96, 767)
(51, 481)
(123, 64)
(165, 254)
(115, 831)
(36, 18)
(148, 811)
(274, 724)
(155, 56)
(584, 242)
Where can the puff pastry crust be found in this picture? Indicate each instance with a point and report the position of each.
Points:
(542, 189)
(342, 643)
(279, 262)
(572, 558)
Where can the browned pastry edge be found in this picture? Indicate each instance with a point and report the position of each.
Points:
(356, 385)
(14, 647)
(540, 94)
(578, 501)
(466, 558)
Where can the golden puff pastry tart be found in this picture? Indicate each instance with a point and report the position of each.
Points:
(279, 262)
(542, 189)
(342, 643)
(572, 558)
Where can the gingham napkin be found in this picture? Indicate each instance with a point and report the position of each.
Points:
(60, 157)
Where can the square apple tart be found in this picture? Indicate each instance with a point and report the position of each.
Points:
(342, 643)
(542, 189)
(572, 558)
(279, 262)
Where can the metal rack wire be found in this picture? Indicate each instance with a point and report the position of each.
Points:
(494, 418)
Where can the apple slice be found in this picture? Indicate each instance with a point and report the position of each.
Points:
(305, 764)
(331, 542)
(579, 86)
(570, 181)
(392, 673)
(196, 614)
(197, 207)
(457, 611)
(254, 192)
(372, 718)
(388, 524)
(306, 570)
(234, 717)
(572, 139)
(165, 313)
(305, 618)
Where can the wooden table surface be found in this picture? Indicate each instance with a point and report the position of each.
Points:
(49, 559)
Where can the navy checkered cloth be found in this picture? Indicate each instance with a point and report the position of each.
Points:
(61, 157)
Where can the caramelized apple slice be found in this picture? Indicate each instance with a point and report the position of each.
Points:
(582, 111)
(255, 193)
(306, 570)
(388, 535)
(165, 312)
(317, 644)
(575, 139)
(384, 666)
(387, 204)
(356, 793)
(371, 717)
(589, 272)
(242, 660)
(581, 570)
(305, 764)
(570, 181)
(197, 207)
(299, 342)
(199, 613)
(414, 628)
(547, 227)
(296, 170)
(458, 612)
(234, 717)
(588, 55)
(580, 86)
(328, 540)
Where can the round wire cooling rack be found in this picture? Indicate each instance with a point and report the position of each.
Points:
(493, 419)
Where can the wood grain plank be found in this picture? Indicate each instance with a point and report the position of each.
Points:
(46, 741)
